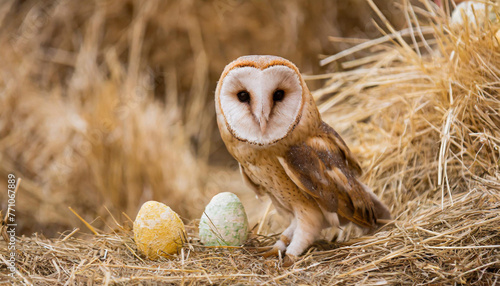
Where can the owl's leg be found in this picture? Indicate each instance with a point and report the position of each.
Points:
(334, 222)
(282, 243)
(307, 231)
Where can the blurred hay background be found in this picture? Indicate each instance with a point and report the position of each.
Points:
(97, 112)
(110, 103)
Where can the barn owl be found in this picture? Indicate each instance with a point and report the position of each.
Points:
(270, 124)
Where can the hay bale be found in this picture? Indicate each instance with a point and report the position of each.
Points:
(424, 123)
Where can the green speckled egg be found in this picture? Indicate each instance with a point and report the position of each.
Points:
(224, 221)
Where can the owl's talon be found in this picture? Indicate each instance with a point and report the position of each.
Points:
(274, 251)
(289, 260)
(263, 250)
(279, 246)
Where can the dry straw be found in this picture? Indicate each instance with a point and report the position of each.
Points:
(421, 112)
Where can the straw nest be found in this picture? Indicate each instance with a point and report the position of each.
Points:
(420, 109)
(453, 245)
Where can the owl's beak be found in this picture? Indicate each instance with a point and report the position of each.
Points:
(263, 124)
(263, 115)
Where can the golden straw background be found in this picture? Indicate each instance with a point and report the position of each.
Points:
(107, 104)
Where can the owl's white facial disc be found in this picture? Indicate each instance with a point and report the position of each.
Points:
(261, 106)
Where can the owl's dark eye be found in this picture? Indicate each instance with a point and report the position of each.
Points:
(243, 96)
(278, 95)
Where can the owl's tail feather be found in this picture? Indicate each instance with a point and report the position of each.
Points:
(382, 213)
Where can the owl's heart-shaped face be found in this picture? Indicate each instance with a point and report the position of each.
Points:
(261, 105)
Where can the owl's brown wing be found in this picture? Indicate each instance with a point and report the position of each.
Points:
(324, 168)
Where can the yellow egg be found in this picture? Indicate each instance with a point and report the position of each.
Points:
(158, 230)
